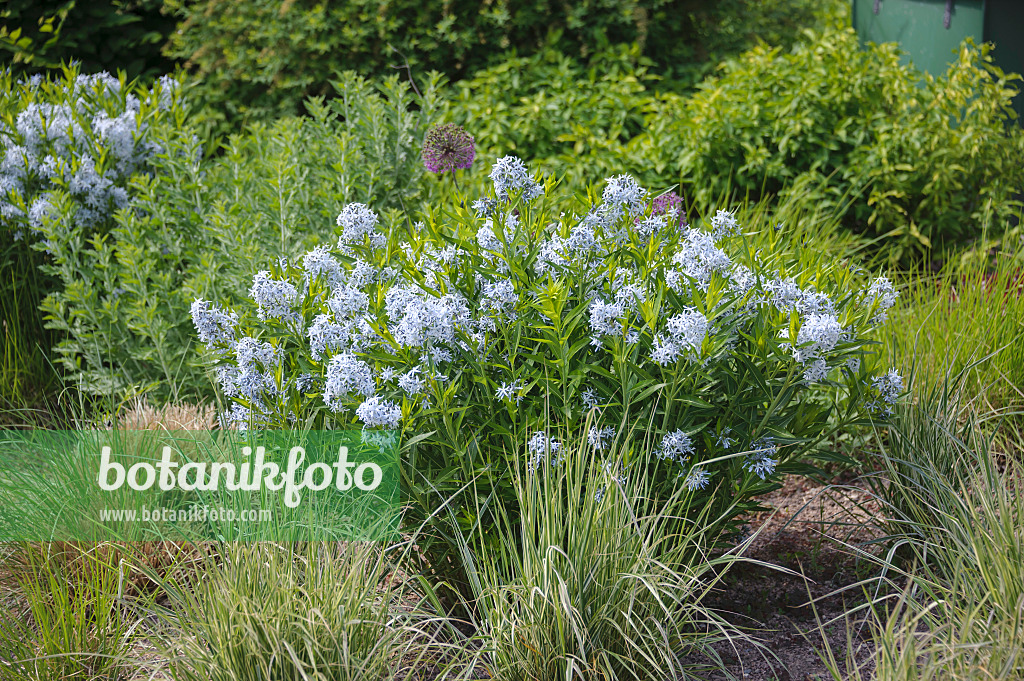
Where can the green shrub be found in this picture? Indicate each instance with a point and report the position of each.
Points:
(548, 107)
(109, 35)
(717, 31)
(479, 330)
(922, 162)
(260, 59)
(911, 162)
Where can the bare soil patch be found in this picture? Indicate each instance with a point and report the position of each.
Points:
(807, 531)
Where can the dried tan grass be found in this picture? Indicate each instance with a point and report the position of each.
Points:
(142, 416)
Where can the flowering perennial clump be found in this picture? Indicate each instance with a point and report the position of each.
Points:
(509, 327)
(85, 136)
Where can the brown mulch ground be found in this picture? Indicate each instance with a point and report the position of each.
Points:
(806, 531)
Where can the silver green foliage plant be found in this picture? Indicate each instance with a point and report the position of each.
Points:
(195, 227)
(511, 320)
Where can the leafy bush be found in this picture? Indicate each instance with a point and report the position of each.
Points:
(921, 161)
(100, 36)
(198, 228)
(907, 159)
(717, 31)
(481, 330)
(260, 59)
(548, 106)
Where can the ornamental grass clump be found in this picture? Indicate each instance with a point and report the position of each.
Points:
(571, 584)
(514, 321)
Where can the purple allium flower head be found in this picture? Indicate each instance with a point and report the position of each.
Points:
(448, 147)
(670, 204)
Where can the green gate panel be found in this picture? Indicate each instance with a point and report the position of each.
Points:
(919, 26)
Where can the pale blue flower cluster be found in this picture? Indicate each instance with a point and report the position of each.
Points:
(213, 325)
(698, 259)
(686, 332)
(509, 391)
(255, 377)
(581, 240)
(484, 207)
(724, 224)
(887, 389)
(540, 446)
(510, 176)
(274, 298)
(320, 265)
(606, 318)
(250, 352)
(377, 412)
(90, 143)
(697, 478)
(346, 376)
(762, 459)
(622, 197)
(600, 438)
(251, 377)
(651, 227)
(676, 446)
(884, 294)
(357, 222)
(412, 382)
(326, 336)
(723, 440)
(420, 319)
(486, 238)
(500, 298)
(818, 335)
